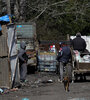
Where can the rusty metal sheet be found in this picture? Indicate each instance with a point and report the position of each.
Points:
(84, 66)
(3, 46)
(4, 73)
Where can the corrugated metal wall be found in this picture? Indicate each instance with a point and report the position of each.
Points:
(15, 77)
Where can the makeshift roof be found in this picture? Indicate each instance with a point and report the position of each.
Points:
(5, 18)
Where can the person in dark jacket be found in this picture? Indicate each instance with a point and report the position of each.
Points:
(63, 57)
(79, 43)
(23, 58)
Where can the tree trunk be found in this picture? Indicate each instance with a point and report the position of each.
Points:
(8, 7)
(16, 9)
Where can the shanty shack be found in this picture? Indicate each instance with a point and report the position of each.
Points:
(9, 71)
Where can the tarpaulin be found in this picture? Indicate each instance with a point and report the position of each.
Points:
(5, 18)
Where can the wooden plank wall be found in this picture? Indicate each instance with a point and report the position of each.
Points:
(4, 73)
(5, 76)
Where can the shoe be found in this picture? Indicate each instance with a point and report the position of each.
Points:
(60, 81)
(23, 81)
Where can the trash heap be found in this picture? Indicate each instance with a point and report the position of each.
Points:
(85, 58)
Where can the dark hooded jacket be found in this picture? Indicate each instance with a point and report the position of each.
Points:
(22, 53)
(64, 54)
(79, 44)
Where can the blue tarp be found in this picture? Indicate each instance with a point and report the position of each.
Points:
(5, 18)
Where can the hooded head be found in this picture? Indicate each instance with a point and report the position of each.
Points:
(23, 45)
(62, 43)
(78, 34)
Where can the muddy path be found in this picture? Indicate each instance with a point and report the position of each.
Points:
(45, 86)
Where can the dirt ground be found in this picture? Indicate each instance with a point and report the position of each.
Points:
(45, 86)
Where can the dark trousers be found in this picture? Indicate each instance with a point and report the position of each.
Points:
(61, 70)
(23, 71)
(65, 69)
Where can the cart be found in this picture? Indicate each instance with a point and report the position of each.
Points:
(81, 65)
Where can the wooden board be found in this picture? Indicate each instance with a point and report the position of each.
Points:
(4, 73)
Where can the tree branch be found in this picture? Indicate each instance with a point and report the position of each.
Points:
(47, 8)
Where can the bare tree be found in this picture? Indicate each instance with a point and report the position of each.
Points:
(8, 6)
(16, 9)
(56, 9)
